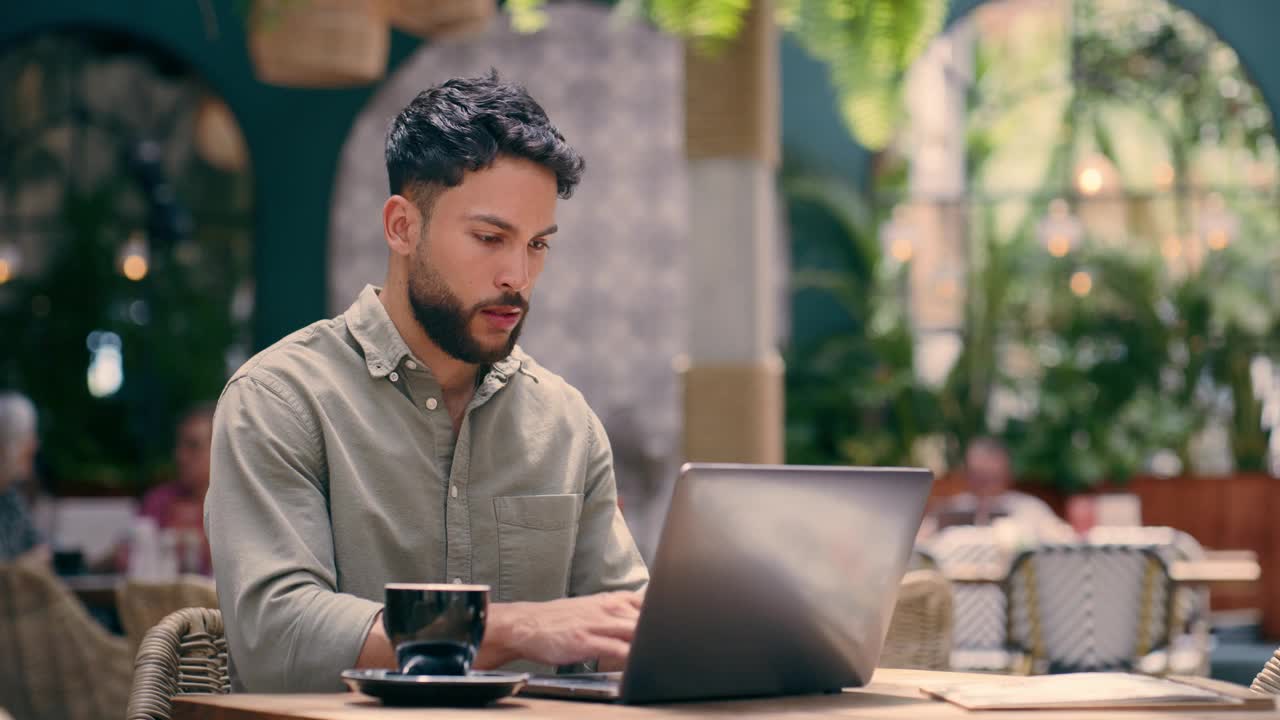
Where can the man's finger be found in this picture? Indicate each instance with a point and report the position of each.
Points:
(621, 603)
(620, 628)
(624, 609)
(611, 652)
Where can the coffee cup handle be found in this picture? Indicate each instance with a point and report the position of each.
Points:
(417, 664)
(428, 665)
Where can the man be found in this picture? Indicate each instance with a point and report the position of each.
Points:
(19, 540)
(411, 440)
(176, 505)
(988, 472)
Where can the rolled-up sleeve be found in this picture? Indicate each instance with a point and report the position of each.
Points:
(267, 518)
(605, 557)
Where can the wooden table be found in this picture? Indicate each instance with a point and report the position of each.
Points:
(1218, 566)
(892, 695)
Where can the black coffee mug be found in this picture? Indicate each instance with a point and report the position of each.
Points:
(436, 629)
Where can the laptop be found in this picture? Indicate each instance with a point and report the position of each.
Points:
(768, 580)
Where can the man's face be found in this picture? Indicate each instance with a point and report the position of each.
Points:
(480, 253)
(191, 453)
(24, 463)
(988, 471)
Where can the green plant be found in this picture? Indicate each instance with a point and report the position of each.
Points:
(852, 396)
(175, 328)
(1188, 324)
(1099, 346)
(527, 16)
(868, 45)
(1229, 317)
(967, 390)
(708, 24)
(111, 361)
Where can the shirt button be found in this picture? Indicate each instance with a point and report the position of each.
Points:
(457, 581)
(411, 364)
(395, 377)
(453, 491)
(432, 404)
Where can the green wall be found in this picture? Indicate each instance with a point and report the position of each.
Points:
(294, 136)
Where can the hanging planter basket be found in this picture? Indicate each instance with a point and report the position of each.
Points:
(218, 137)
(435, 19)
(318, 43)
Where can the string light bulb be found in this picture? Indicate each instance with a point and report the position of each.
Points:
(1060, 231)
(1081, 283)
(134, 257)
(896, 236)
(1089, 181)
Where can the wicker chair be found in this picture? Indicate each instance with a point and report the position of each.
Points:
(143, 604)
(1084, 608)
(185, 654)
(920, 632)
(1189, 648)
(980, 625)
(1268, 680)
(56, 661)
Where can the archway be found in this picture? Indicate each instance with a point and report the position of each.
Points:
(1083, 206)
(125, 231)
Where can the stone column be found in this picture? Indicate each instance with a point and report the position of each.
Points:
(733, 396)
(935, 209)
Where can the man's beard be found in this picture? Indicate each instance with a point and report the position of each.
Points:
(441, 316)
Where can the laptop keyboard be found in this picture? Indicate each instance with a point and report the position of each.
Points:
(584, 680)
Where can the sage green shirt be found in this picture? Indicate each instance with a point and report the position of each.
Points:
(335, 470)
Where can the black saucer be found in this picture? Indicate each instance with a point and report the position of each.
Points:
(393, 688)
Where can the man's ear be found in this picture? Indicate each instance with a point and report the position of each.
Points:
(401, 224)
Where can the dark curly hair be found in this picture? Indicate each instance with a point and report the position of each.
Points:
(464, 124)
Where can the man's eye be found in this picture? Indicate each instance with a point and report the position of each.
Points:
(540, 245)
(489, 239)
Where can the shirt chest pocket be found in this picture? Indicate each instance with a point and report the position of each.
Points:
(536, 537)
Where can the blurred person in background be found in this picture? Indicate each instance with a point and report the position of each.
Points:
(988, 473)
(178, 505)
(19, 540)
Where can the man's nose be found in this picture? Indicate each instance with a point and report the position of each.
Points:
(515, 272)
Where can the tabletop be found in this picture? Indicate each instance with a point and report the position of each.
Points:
(892, 694)
(1219, 566)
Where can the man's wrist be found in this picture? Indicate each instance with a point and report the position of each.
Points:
(377, 651)
(504, 631)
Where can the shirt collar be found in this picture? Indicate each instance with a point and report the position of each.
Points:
(371, 326)
(384, 349)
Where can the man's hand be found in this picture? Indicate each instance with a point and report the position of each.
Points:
(562, 632)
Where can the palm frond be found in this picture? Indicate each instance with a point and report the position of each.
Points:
(708, 24)
(527, 16)
(868, 45)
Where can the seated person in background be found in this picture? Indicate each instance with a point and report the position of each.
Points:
(988, 472)
(19, 540)
(411, 440)
(178, 505)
